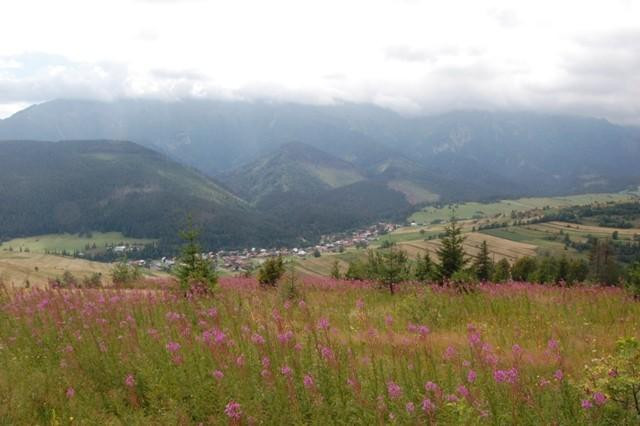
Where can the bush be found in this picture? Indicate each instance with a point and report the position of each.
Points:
(92, 281)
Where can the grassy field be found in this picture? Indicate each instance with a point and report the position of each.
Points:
(70, 242)
(338, 353)
(505, 207)
(16, 269)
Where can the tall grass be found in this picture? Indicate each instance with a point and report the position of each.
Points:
(341, 353)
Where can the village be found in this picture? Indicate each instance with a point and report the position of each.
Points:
(239, 261)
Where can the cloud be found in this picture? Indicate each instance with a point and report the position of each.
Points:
(412, 56)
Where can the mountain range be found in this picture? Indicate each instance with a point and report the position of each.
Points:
(295, 171)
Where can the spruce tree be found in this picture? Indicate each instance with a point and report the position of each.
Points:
(451, 252)
(425, 268)
(193, 269)
(483, 265)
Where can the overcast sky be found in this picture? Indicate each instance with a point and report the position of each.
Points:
(412, 56)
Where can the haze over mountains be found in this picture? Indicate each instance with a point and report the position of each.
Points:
(300, 170)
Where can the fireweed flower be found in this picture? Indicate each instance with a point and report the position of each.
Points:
(462, 390)
(395, 391)
(233, 411)
(240, 360)
(173, 347)
(410, 407)
(285, 337)
(428, 406)
(323, 324)
(218, 374)
(431, 387)
(327, 353)
(70, 392)
(471, 376)
(449, 353)
(286, 371)
(129, 381)
(266, 362)
(599, 398)
(517, 350)
(258, 339)
(308, 382)
(586, 404)
(506, 376)
(558, 375)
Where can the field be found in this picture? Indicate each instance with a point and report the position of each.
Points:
(70, 242)
(505, 207)
(18, 269)
(337, 353)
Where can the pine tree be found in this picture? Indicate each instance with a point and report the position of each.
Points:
(425, 268)
(603, 267)
(501, 271)
(451, 252)
(483, 265)
(389, 267)
(193, 270)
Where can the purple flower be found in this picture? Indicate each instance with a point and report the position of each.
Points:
(558, 375)
(431, 387)
(462, 390)
(173, 347)
(286, 370)
(395, 391)
(471, 376)
(257, 339)
(70, 392)
(130, 381)
(308, 382)
(506, 376)
(586, 404)
(599, 398)
(410, 407)
(428, 406)
(327, 353)
(218, 374)
(323, 324)
(232, 410)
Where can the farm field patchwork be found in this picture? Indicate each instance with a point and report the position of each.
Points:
(338, 353)
(505, 207)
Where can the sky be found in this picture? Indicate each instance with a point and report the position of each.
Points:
(416, 57)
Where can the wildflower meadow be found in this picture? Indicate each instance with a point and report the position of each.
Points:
(331, 352)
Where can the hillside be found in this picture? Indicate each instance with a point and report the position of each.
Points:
(500, 153)
(293, 168)
(82, 186)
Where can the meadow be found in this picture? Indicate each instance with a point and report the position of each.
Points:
(328, 352)
(57, 243)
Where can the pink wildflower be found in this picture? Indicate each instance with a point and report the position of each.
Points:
(308, 382)
(388, 319)
(558, 375)
(258, 339)
(471, 376)
(218, 374)
(599, 398)
(327, 353)
(286, 371)
(586, 404)
(410, 407)
(431, 387)
(506, 376)
(517, 350)
(428, 406)
(395, 391)
(240, 360)
(173, 347)
(130, 381)
(70, 392)
(462, 390)
(323, 324)
(233, 411)
(449, 353)
(266, 362)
